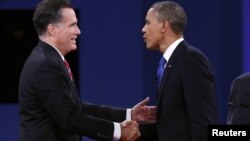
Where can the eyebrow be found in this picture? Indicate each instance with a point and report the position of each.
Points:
(74, 23)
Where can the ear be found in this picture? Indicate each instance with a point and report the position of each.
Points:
(165, 26)
(51, 29)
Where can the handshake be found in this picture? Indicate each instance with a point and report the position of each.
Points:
(140, 113)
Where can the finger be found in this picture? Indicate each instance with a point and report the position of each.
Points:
(127, 123)
(124, 125)
(144, 102)
(152, 112)
(152, 108)
(152, 116)
(152, 119)
(135, 124)
(138, 133)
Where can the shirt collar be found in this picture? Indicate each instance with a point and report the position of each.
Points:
(59, 53)
(56, 50)
(167, 54)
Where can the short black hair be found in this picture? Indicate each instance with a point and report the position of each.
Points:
(47, 12)
(173, 13)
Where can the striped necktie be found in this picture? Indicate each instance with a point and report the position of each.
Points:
(75, 95)
(68, 69)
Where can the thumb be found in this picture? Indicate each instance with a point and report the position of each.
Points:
(126, 123)
(144, 102)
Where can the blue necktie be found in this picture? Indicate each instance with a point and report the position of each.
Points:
(160, 70)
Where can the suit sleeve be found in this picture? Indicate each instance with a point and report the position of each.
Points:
(199, 92)
(105, 112)
(54, 93)
(239, 101)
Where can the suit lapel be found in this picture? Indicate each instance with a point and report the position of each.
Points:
(165, 78)
(171, 64)
(56, 56)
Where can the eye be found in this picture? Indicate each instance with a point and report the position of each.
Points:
(147, 22)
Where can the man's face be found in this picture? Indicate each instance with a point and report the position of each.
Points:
(152, 34)
(66, 31)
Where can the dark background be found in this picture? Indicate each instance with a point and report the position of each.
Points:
(111, 64)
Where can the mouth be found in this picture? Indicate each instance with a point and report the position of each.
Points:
(144, 38)
(73, 40)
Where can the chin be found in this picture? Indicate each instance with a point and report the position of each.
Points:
(150, 48)
(74, 47)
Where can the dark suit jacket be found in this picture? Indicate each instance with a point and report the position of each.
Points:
(186, 99)
(239, 101)
(48, 109)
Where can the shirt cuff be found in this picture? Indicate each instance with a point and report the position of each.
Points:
(117, 127)
(117, 131)
(129, 114)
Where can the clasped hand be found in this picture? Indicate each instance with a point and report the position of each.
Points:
(140, 113)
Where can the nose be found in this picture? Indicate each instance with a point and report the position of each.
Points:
(143, 29)
(78, 31)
